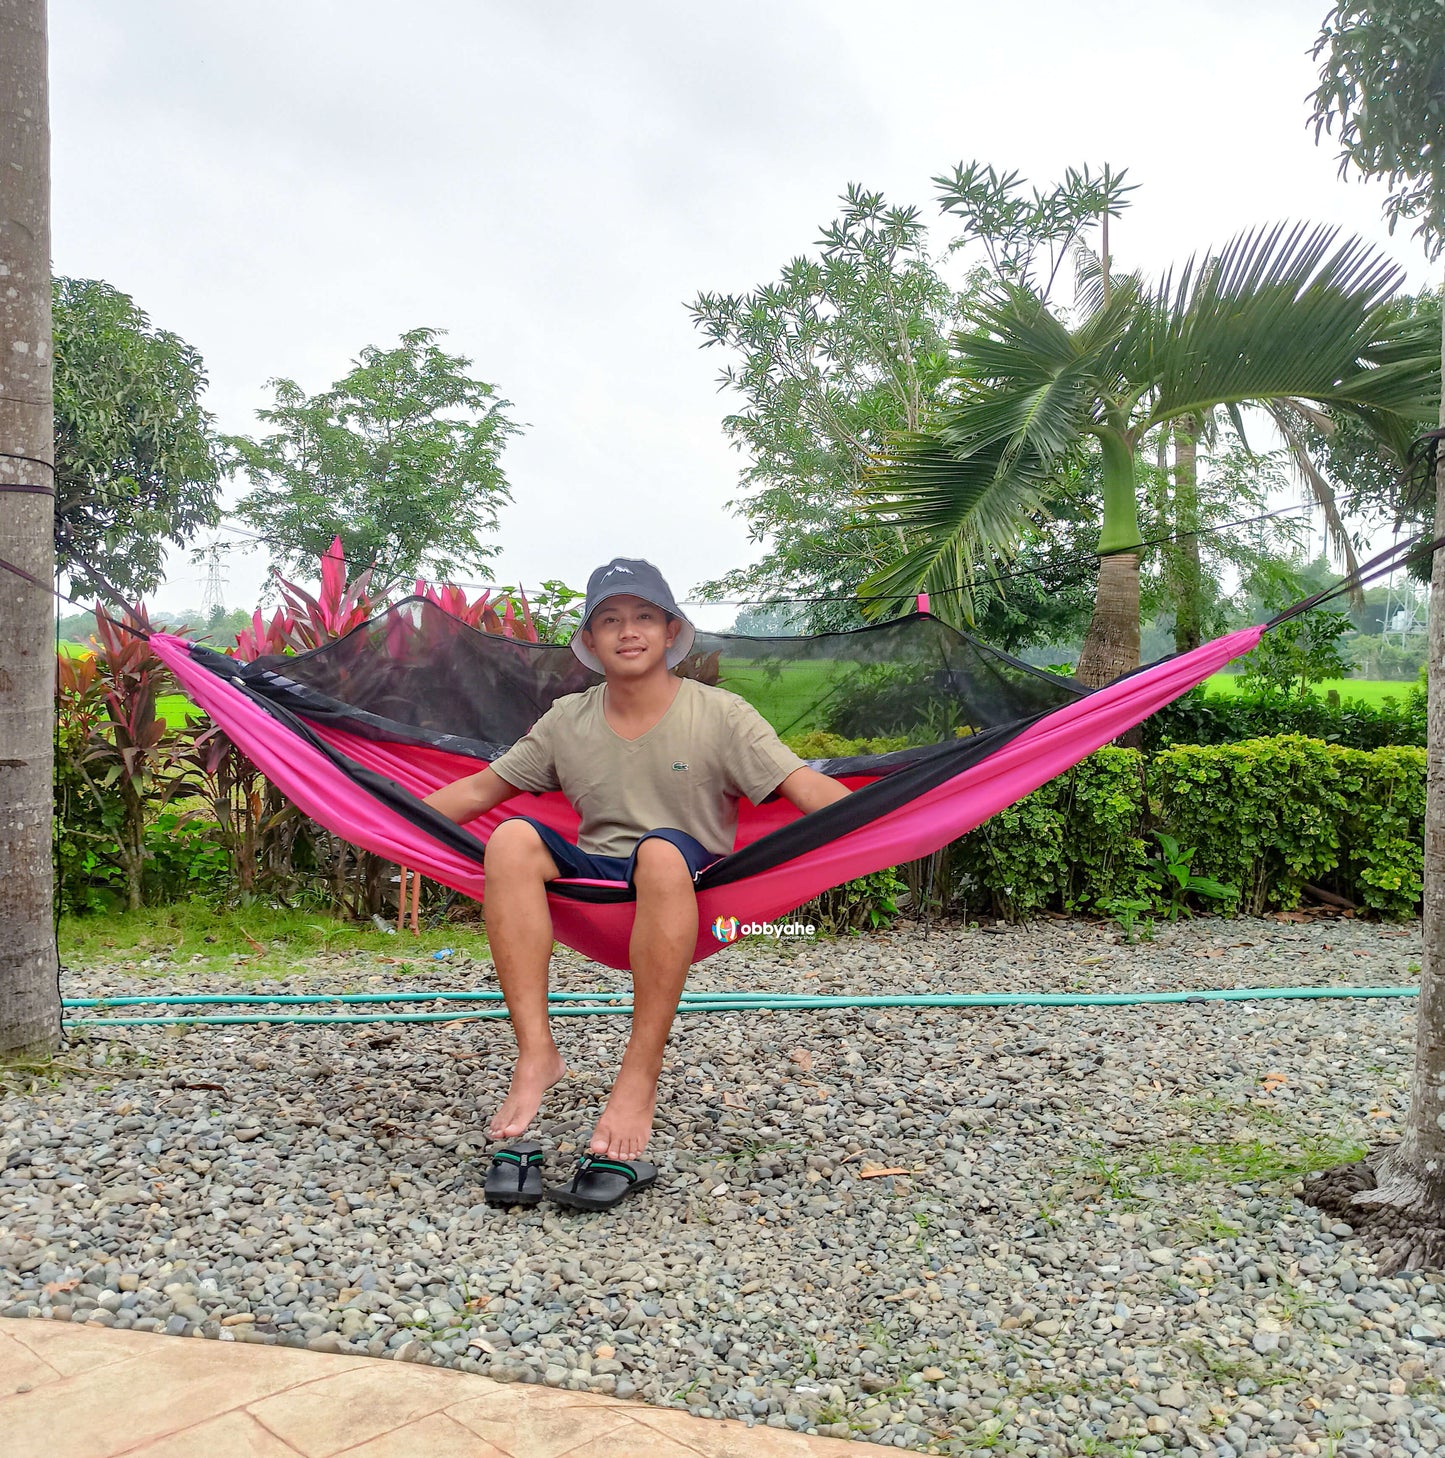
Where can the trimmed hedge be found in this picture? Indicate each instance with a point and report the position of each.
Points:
(1072, 845)
(1205, 718)
(1272, 815)
(1266, 817)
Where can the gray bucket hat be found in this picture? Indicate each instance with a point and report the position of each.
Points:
(637, 579)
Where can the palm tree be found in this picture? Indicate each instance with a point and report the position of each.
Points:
(1278, 317)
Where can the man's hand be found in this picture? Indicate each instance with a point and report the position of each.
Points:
(808, 790)
(465, 799)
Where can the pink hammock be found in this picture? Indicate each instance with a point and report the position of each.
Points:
(365, 787)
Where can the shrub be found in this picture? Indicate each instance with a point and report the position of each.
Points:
(1072, 845)
(85, 832)
(1264, 818)
(121, 763)
(819, 744)
(1274, 815)
(1382, 830)
(1205, 718)
(1265, 814)
(912, 699)
(184, 859)
(866, 903)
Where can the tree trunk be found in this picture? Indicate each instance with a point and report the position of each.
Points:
(132, 840)
(1181, 556)
(1111, 646)
(29, 993)
(1411, 1176)
(1397, 1195)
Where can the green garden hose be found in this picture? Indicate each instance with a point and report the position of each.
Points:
(583, 1004)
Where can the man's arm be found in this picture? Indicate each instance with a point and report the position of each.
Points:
(808, 790)
(465, 799)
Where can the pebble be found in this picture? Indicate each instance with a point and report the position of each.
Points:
(1073, 1259)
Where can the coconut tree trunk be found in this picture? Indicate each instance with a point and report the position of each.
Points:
(1410, 1177)
(1111, 646)
(1424, 1142)
(29, 995)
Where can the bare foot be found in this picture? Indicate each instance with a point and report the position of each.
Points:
(626, 1123)
(531, 1078)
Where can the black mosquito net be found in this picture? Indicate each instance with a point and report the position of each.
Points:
(415, 673)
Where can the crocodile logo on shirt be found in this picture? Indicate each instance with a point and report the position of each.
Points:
(679, 764)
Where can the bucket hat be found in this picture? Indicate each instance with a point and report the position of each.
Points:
(636, 579)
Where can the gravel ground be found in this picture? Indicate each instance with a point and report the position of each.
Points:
(1090, 1241)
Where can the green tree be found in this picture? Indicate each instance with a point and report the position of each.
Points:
(1028, 232)
(1365, 473)
(401, 459)
(1207, 502)
(1306, 650)
(846, 347)
(138, 463)
(1276, 316)
(1382, 85)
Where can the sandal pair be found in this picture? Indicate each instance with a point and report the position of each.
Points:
(599, 1183)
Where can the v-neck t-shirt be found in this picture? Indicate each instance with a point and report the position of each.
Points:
(685, 773)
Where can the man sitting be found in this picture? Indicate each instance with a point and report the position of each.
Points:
(654, 766)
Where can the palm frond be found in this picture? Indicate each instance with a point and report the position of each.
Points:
(1281, 312)
(1089, 281)
(952, 509)
(1016, 337)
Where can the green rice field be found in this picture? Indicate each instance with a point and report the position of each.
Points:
(785, 695)
(1367, 690)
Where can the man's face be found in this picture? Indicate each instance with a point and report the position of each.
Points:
(630, 636)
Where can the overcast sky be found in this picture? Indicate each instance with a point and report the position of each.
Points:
(283, 182)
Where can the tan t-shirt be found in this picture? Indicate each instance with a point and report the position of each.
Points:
(686, 773)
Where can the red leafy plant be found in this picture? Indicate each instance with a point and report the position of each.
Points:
(482, 613)
(338, 607)
(116, 740)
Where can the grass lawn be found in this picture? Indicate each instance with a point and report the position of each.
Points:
(784, 696)
(1367, 690)
(175, 709)
(251, 943)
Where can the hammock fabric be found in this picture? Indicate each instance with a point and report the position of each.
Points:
(357, 731)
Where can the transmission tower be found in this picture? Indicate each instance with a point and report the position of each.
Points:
(215, 590)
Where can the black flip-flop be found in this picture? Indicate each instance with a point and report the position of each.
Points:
(600, 1183)
(515, 1177)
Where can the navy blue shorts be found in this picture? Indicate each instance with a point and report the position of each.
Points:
(575, 864)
